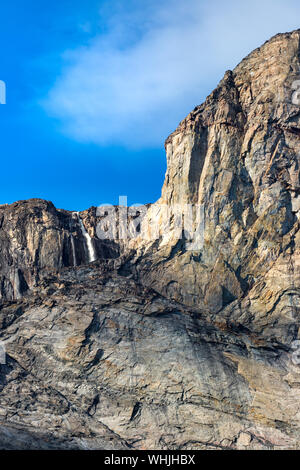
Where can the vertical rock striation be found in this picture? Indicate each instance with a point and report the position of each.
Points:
(237, 156)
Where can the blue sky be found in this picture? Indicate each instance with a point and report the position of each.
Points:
(94, 88)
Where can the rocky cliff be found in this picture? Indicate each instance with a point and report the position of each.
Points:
(35, 236)
(182, 340)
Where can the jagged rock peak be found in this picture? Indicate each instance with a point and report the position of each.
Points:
(283, 48)
(257, 94)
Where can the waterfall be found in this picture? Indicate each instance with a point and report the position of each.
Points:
(16, 285)
(89, 243)
(73, 251)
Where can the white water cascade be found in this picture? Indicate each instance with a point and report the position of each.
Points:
(73, 251)
(89, 243)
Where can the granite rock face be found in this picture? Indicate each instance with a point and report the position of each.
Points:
(238, 156)
(179, 341)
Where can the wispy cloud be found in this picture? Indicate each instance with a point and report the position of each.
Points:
(149, 65)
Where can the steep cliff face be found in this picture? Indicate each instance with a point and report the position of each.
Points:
(169, 341)
(237, 157)
(35, 236)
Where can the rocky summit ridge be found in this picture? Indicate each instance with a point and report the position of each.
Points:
(142, 342)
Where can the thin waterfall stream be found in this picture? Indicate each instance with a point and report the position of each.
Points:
(89, 243)
(73, 251)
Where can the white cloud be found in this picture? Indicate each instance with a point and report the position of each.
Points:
(132, 84)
